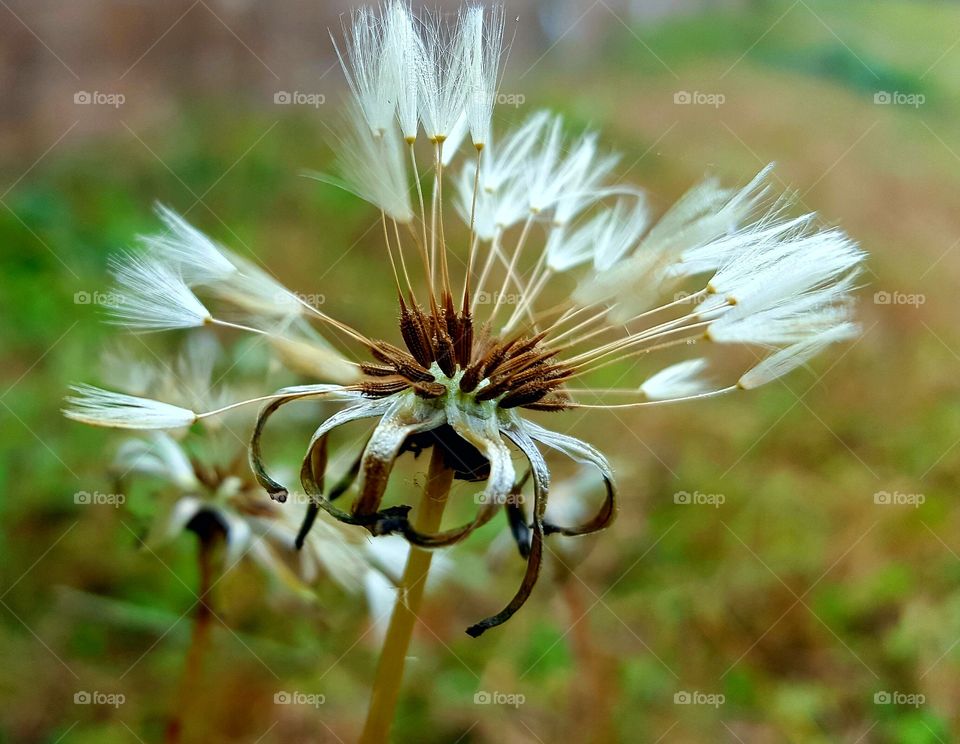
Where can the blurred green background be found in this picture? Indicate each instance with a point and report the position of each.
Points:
(819, 614)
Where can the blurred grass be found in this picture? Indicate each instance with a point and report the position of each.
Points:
(797, 599)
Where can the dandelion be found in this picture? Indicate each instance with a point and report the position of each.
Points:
(207, 490)
(217, 499)
(477, 351)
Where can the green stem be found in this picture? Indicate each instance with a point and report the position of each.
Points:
(386, 685)
(189, 691)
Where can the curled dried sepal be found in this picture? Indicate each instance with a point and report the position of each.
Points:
(541, 485)
(583, 453)
(277, 491)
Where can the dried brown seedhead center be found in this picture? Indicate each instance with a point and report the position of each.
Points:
(516, 371)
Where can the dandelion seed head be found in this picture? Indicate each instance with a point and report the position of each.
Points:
(557, 272)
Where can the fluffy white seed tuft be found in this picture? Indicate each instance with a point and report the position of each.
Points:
(153, 296)
(373, 166)
(605, 237)
(780, 262)
(443, 75)
(496, 210)
(403, 50)
(586, 187)
(452, 143)
(197, 258)
(624, 227)
(265, 301)
(554, 172)
(371, 60)
(695, 236)
(98, 407)
(788, 359)
(505, 160)
(679, 380)
(787, 321)
(159, 456)
(482, 44)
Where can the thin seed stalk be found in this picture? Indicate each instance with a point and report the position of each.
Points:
(190, 696)
(386, 685)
